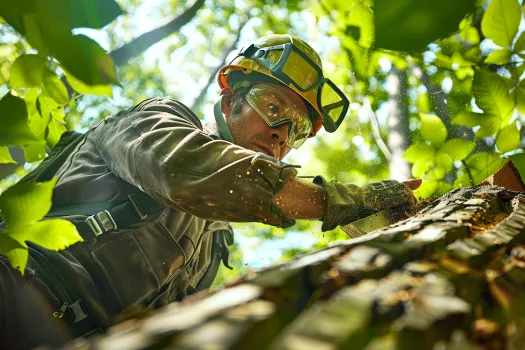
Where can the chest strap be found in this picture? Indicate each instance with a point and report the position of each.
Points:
(105, 217)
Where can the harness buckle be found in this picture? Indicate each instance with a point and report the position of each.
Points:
(94, 226)
(101, 222)
(106, 220)
(135, 205)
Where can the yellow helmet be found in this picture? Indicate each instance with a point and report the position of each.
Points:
(289, 60)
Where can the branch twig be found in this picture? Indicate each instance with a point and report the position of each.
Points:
(213, 74)
(375, 130)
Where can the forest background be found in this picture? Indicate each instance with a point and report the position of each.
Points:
(436, 93)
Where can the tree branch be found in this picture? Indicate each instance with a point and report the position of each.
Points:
(143, 42)
(375, 130)
(198, 101)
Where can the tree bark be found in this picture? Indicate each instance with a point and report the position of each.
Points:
(398, 131)
(434, 280)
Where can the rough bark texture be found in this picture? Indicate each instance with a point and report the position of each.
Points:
(450, 277)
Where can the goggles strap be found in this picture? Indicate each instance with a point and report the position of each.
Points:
(221, 122)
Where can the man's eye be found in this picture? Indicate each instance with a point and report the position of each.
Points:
(273, 108)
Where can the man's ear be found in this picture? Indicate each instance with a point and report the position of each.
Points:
(226, 101)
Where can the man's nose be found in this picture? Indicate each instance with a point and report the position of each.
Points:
(280, 133)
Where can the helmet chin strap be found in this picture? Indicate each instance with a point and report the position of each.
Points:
(221, 122)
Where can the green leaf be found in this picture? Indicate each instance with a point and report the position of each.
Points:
(30, 99)
(33, 33)
(519, 46)
(27, 71)
(520, 96)
(484, 164)
(462, 180)
(432, 128)
(84, 89)
(501, 21)
(508, 138)
(34, 152)
(5, 156)
(13, 118)
(500, 57)
(417, 23)
(421, 167)
(55, 129)
(25, 203)
(59, 115)
(470, 119)
(75, 14)
(427, 188)
(38, 123)
(470, 34)
(356, 16)
(492, 95)
(419, 151)
(488, 127)
(55, 87)
(15, 252)
(82, 57)
(438, 172)
(519, 162)
(13, 10)
(53, 234)
(442, 189)
(457, 149)
(444, 161)
(517, 71)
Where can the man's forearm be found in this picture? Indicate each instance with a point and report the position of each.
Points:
(301, 200)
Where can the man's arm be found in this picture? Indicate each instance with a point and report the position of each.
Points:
(161, 148)
(303, 200)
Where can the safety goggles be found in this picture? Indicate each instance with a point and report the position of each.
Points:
(278, 109)
(292, 66)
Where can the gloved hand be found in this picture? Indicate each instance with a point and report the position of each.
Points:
(347, 203)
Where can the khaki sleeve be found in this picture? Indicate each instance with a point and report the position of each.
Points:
(160, 147)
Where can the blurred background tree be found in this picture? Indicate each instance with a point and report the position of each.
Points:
(435, 86)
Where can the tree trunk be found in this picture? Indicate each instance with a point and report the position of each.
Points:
(453, 274)
(398, 132)
(438, 106)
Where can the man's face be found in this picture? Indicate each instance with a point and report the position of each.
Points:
(250, 131)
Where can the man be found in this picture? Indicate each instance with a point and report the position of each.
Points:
(151, 190)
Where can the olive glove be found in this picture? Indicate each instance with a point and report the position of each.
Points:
(347, 203)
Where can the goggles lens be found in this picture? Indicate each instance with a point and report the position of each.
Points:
(277, 109)
(300, 71)
(333, 103)
(289, 64)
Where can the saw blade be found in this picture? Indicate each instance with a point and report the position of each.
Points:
(368, 224)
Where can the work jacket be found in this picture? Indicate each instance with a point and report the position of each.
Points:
(159, 148)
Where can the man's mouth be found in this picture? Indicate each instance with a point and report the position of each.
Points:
(267, 151)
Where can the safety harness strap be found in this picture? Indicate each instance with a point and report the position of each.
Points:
(105, 217)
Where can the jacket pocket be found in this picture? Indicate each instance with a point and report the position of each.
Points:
(139, 262)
